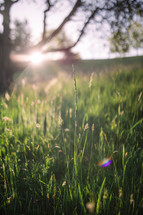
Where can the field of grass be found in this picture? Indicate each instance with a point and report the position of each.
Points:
(54, 133)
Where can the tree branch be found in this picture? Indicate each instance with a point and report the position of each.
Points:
(67, 18)
(1, 12)
(13, 2)
(79, 37)
(44, 20)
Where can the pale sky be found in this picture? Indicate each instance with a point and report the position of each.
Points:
(89, 47)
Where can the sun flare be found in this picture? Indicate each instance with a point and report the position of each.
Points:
(36, 58)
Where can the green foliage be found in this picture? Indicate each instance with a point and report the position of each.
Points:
(20, 36)
(124, 39)
(119, 42)
(52, 141)
(136, 34)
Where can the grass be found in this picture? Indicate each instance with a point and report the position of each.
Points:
(53, 135)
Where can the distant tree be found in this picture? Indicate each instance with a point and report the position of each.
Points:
(62, 41)
(20, 36)
(119, 14)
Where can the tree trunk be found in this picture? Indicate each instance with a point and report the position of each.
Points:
(5, 49)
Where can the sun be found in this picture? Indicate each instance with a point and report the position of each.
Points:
(36, 58)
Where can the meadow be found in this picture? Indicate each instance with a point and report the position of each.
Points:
(57, 126)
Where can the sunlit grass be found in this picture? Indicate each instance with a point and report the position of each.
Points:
(51, 142)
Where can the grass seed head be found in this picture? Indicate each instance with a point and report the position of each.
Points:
(90, 206)
(64, 184)
(70, 113)
(7, 96)
(60, 120)
(105, 195)
(67, 129)
(91, 79)
(37, 125)
(5, 118)
(140, 95)
(92, 127)
(126, 154)
(120, 192)
(131, 199)
(86, 126)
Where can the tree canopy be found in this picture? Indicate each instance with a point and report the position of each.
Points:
(121, 41)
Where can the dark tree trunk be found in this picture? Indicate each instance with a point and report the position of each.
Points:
(5, 49)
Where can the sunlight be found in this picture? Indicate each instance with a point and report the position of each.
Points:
(36, 58)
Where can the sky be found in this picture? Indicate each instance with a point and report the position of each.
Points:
(90, 47)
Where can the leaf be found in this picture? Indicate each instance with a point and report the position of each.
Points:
(99, 196)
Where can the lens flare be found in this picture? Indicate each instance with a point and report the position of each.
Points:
(106, 162)
(36, 58)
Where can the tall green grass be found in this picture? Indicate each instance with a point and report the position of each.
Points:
(52, 139)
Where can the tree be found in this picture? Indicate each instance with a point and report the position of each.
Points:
(5, 48)
(117, 13)
(20, 36)
(62, 41)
